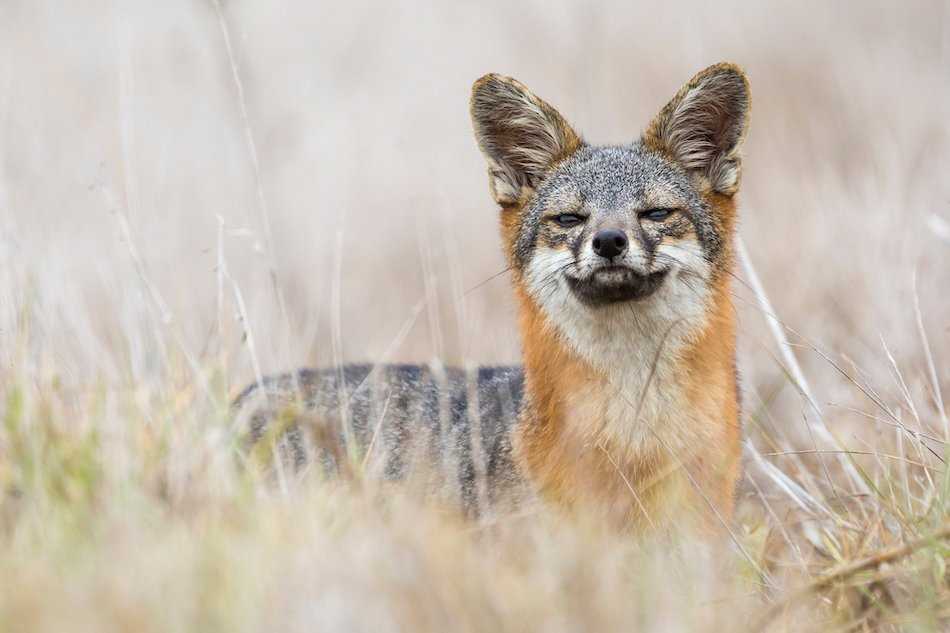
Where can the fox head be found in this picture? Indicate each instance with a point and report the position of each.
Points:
(642, 229)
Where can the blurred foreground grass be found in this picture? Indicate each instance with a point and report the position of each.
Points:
(133, 510)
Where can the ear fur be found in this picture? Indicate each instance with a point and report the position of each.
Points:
(703, 127)
(519, 134)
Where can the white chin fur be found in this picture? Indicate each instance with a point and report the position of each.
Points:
(621, 341)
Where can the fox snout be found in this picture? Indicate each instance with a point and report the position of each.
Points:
(610, 243)
(618, 240)
(615, 263)
(624, 243)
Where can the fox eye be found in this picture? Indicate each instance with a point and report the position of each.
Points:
(568, 220)
(656, 215)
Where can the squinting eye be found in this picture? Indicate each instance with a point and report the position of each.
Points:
(656, 215)
(568, 220)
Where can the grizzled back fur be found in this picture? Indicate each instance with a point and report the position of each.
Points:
(389, 420)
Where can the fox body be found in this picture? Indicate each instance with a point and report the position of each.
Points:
(447, 426)
(627, 399)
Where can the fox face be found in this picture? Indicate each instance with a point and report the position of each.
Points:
(615, 223)
(638, 229)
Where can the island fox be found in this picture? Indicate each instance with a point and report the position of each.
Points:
(627, 400)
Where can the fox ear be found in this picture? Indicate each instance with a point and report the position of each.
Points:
(703, 127)
(520, 135)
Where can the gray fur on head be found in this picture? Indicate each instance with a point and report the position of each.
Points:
(689, 150)
(523, 137)
(612, 183)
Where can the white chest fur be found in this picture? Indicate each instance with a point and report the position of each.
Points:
(638, 400)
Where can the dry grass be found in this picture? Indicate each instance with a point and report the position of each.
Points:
(192, 194)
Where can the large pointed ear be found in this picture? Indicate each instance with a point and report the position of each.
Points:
(703, 127)
(520, 135)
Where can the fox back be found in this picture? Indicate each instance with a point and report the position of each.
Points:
(449, 429)
(627, 402)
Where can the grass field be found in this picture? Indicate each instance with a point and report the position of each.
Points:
(195, 193)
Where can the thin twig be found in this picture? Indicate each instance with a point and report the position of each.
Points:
(931, 367)
(630, 487)
(793, 366)
(255, 162)
(856, 567)
(851, 452)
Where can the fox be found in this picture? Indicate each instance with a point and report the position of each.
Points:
(626, 405)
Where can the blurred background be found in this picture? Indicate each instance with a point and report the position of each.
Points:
(297, 182)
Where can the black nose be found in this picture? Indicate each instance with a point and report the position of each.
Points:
(609, 243)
